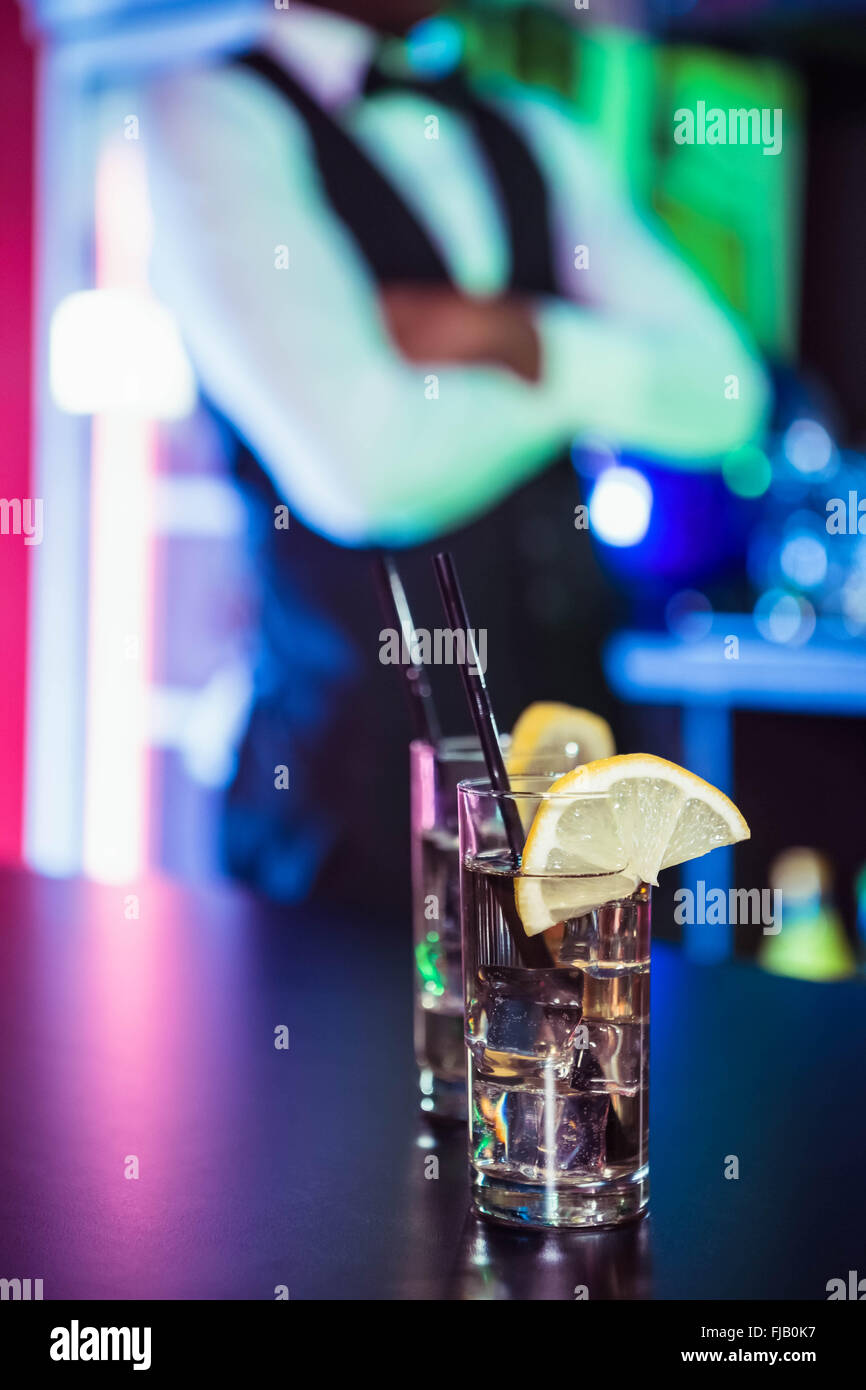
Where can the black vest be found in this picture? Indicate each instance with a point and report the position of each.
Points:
(326, 707)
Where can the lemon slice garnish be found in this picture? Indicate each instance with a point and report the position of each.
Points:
(612, 824)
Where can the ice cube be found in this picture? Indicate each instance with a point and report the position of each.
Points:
(539, 1134)
(524, 1022)
(607, 1057)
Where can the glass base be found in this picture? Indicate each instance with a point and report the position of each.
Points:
(567, 1207)
(440, 1099)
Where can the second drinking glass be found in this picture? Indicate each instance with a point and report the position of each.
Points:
(435, 770)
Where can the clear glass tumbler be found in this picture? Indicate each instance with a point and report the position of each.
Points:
(435, 770)
(557, 1033)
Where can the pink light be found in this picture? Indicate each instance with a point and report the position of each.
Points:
(123, 453)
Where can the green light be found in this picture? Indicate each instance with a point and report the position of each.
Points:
(747, 471)
(811, 946)
(427, 961)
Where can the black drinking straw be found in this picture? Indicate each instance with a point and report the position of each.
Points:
(531, 949)
(422, 710)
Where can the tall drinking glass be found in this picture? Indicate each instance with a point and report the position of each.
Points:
(435, 770)
(558, 1048)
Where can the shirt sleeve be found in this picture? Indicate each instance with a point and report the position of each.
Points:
(367, 448)
(654, 361)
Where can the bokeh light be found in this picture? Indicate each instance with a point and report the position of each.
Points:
(689, 615)
(804, 560)
(620, 506)
(434, 47)
(807, 446)
(784, 618)
(119, 351)
(853, 600)
(747, 471)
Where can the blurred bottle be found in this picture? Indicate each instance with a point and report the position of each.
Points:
(812, 944)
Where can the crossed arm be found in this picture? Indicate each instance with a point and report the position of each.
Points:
(391, 418)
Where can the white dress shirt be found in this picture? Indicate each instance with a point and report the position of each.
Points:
(361, 444)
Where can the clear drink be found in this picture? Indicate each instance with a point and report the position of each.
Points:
(439, 977)
(438, 992)
(559, 1051)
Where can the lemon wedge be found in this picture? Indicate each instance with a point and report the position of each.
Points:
(547, 727)
(612, 824)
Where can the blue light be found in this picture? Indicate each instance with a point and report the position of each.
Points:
(808, 446)
(826, 676)
(854, 602)
(620, 506)
(689, 615)
(784, 618)
(804, 560)
(434, 47)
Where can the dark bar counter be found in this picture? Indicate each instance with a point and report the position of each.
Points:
(158, 1145)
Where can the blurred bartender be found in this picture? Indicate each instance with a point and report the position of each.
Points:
(377, 278)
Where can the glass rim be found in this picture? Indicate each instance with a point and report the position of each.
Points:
(466, 748)
(454, 748)
(481, 787)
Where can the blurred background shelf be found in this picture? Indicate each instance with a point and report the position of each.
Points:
(732, 668)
